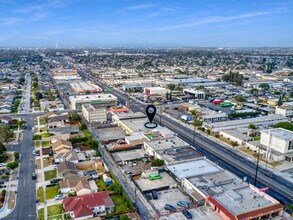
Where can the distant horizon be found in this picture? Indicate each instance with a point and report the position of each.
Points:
(140, 24)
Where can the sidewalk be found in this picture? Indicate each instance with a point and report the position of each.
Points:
(11, 186)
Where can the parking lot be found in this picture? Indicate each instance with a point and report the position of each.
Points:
(109, 134)
(199, 213)
(211, 106)
(137, 169)
(146, 185)
(128, 155)
(169, 196)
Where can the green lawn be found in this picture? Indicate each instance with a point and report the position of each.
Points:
(43, 121)
(55, 217)
(40, 195)
(46, 143)
(54, 210)
(50, 174)
(37, 144)
(120, 205)
(41, 214)
(45, 135)
(51, 192)
(101, 185)
(256, 138)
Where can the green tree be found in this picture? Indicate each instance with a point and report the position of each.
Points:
(285, 125)
(171, 86)
(12, 165)
(124, 217)
(157, 163)
(75, 117)
(87, 92)
(264, 86)
(21, 79)
(280, 101)
(82, 126)
(16, 155)
(240, 98)
(20, 123)
(252, 126)
(6, 133)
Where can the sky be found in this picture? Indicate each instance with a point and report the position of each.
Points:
(141, 23)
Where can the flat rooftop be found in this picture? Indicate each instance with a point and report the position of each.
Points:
(128, 155)
(109, 134)
(136, 125)
(243, 200)
(129, 115)
(163, 144)
(145, 184)
(249, 121)
(218, 182)
(280, 133)
(194, 168)
(92, 97)
(179, 155)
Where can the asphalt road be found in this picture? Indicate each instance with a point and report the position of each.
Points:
(279, 187)
(26, 193)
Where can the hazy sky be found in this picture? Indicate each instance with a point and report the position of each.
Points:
(138, 23)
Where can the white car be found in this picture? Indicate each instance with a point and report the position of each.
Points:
(2, 164)
(60, 196)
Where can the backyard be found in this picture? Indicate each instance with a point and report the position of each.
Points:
(55, 210)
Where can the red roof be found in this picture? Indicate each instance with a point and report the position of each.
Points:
(82, 205)
(250, 214)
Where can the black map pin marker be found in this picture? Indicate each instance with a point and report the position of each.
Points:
(151, 111)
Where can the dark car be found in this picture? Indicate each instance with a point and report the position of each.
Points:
(54, 180)
(148, 196)
(187, 214)
(170, 207)
(155, 194)
(34, 176)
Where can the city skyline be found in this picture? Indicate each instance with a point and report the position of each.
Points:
(63, 23)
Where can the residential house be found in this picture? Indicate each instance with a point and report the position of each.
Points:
(90, 205)
(70, 156)
(67, 170)
(81, 186)
(61, 146)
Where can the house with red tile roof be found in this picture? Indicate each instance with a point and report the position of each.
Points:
(90, 205)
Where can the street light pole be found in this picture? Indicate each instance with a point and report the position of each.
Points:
(256, 169)
(161, 114)
(193, 135)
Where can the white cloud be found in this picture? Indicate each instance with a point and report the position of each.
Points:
(217, 19)
(140, 7)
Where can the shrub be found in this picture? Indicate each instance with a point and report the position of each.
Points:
(157, 163)
(217, 135)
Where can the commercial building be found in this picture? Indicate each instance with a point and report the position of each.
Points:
(156, 91)
(64, 72)
(217, 117)
(172, 151)
(230, 196)
(278, 143)
(97, 100)
(82, 87)
(285, 110)
(258, 121)
(194, 94)
(194, 168)
(94, 115)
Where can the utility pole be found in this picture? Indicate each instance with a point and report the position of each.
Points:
(193, 135)
(256, 169)
(161, 113)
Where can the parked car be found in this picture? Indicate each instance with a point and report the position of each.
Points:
(155, 194)
(34, 176)
(2, 164)
(148, 196)
(34, 152)
(54, 180)
(60, 196)
(1, 182)
(187, 214)
(184, 204)
(170, 207)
